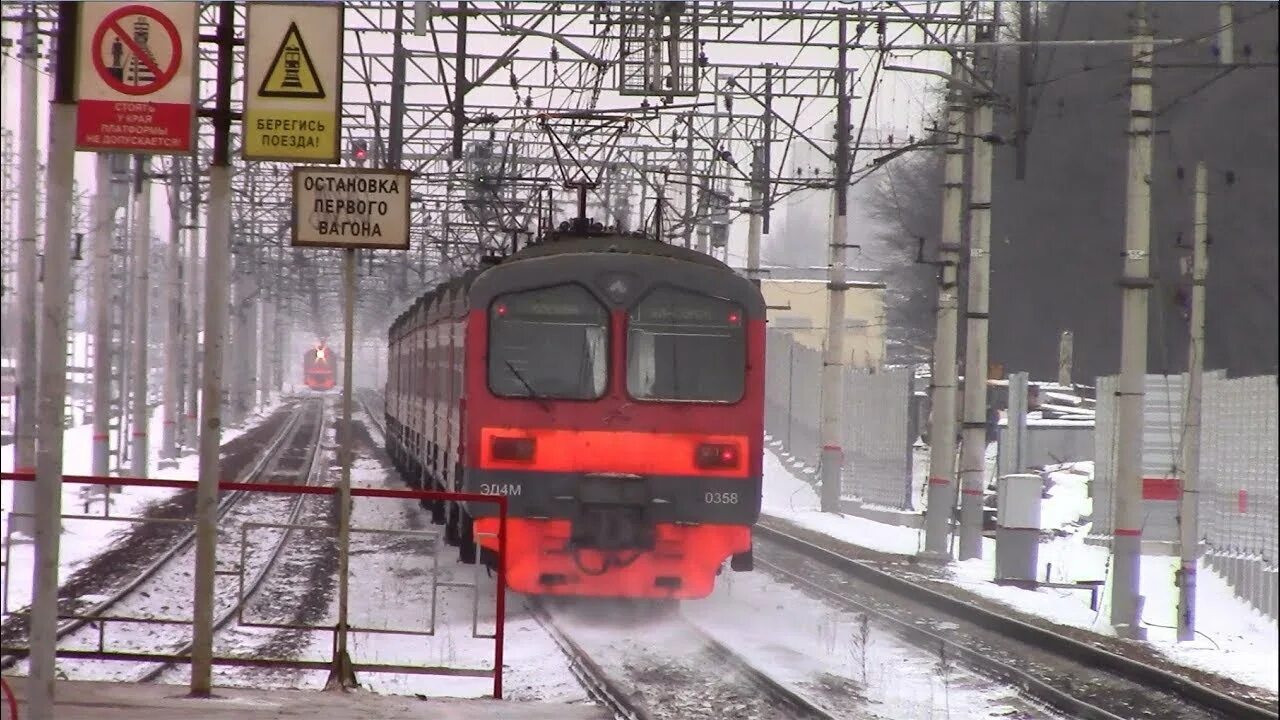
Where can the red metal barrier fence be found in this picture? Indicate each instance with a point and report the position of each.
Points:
(299, 490)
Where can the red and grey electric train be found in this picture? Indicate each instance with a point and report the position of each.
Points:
(318, 368)
(611, 387)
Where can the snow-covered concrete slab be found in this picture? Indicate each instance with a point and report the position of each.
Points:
(82, 700)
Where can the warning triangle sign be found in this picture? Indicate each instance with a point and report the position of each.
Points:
(292, 74)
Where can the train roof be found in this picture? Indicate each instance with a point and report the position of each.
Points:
(566, 242)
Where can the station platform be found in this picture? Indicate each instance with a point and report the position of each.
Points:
(80, 700)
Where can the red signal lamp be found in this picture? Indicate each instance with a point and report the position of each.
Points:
(716, 456)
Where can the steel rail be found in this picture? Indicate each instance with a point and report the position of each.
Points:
(799, 703)
(313, 468)
(1042, 638)
(147, 573)
(588, 673)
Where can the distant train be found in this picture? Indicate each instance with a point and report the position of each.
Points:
(319, 368)
(611, 387)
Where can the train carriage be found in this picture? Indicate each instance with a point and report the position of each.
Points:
(611, 387)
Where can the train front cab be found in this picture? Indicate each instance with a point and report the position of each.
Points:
(621, 413)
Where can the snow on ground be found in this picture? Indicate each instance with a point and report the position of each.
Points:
(401, 571)
(1235, 640)
(792, 499)
(85, 537)
(806, 643)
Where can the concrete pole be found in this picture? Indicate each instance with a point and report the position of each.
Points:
(246, 348)
(759, 176)
(1126, 605)
(141, 303)
(232, 352)
(26, 403)
(831, 461)
(53, 370)
(104, 212)
(689, 210)
(265, 327)
(173, 317)
(973, 449)
(190, 429)
(1226, 34)
(940, 505)
(1066, 344)
(217, 265)
(1189, 463)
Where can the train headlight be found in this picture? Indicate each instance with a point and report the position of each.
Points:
(512, 449)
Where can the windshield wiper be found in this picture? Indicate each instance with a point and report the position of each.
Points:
(542, 402)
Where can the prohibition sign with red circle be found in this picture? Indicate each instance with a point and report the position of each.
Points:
(111, 23)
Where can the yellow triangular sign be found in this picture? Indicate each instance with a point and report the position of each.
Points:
(292, 74)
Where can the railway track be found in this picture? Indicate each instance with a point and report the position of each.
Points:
(310, 470)
(665, 668)
(1068, 675)
(150, 591)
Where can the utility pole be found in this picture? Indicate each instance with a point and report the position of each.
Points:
(190, 429)
(217, 262)
(1066, 344)
(1226, 34)
(60, 170)
(104, 214)
(1126, 605)
(24, 495)
(689, 211)
(759, 176)
(173, 318)
(973, 448)
(141, 311)
(266, 326)
(832, 458)
(1189, 463)
(941, 500)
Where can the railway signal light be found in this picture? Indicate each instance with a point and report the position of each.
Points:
(359, 150)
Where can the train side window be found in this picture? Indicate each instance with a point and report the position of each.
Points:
(686, 346)
(551, 342)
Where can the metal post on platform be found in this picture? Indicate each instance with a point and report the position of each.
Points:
(831, 461)
(341, 675)
(26, 398)
(141, 301)
(1135, 285)
(1189, 463)
(104, 214)
(217, 262)
(53, 368)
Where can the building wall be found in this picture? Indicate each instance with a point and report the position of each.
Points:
(806, 317)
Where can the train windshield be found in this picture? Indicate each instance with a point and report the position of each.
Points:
(686, 346)
(549, 343)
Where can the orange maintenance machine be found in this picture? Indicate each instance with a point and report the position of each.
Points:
(611, 387)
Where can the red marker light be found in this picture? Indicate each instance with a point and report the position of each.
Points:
(501, 309)
(734, 318)
(715, 456)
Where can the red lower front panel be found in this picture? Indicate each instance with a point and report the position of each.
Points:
(682, 565)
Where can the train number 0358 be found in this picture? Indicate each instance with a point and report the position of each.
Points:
(721, 498)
